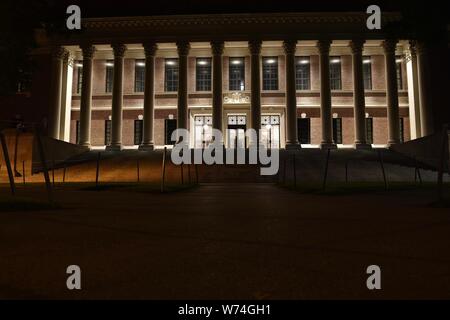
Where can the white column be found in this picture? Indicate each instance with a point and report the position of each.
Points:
(413, 92)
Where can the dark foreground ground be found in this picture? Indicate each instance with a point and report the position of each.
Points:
(237, 241)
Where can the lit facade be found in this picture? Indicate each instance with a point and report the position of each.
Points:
(304, 79)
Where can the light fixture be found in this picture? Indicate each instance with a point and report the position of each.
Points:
(140, 64)
(170, 62)
(304, 61)
(366, 61)
(270, 61)
(79, 65)
(303, 115)
(235, 61)
(140, 117)
(110, 64)
(336, 60)
(202, 62)
(399, 60)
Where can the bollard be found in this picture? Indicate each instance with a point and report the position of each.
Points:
(137, 169)
(196, 173)
(295, 171)
(380, 158)
(23, 171)
(97, 171)
(324, 184)
(163, 169)
(346, 171)
(182, 174)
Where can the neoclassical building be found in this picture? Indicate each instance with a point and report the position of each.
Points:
(304, 79)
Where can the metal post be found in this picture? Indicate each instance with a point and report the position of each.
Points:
(163, 171)
(295, 172)
(23, 171)
(326, 170)
(64, 173)
(8, 163)
(44, 164)
(182, 173)
(137, 169)
(346, 171)
(440, 189)
(196, 173)
(97, 171)
(380, 157)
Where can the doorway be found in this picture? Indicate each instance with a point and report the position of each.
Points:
(237, 124)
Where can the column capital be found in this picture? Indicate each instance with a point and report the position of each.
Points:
(324, 46)
(255, 46)
(389, 46)
(58, 52)
(88, 51)
(217, 47)
(119, 50)
(289, 46)
(150, 48)
(357, 46)
(183, 48)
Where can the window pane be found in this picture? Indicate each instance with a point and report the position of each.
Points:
(109, 75)
(171, 75)
(335, 73)
(302, 73)
(367, 72)
(337, 130)
(139, 75)
(270, 73)
(236, 76)
(203, 74)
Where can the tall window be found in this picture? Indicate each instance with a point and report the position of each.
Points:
(108, 128)
(398, 64)
(203, 74)
(304, 130)
(367, 72)
(170, 125)
(236, 75)
(109, 75)
(337, 130)
(139, 75)
(171, 75)
(369, 130)
(302, 73)
(335, 73)
(138, 131)
(270, 73)
(79, 65)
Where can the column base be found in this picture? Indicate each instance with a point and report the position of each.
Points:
(362, 146)
(86, 146)
(293, 146)
(147, 147)
(392, 143)
(114, 148)
(328, 145)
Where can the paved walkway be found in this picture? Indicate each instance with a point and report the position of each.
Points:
(227, 241)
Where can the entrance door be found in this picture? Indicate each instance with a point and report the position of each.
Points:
(203, 131)
(236, 131)
(270, 131)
